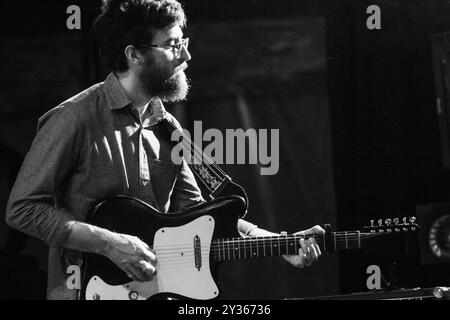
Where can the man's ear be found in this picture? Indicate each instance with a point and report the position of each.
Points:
(134, 56)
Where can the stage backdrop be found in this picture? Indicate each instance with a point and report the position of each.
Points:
(265, 70)
(270, 74)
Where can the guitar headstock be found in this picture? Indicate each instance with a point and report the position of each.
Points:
(391, 236)
(394, 225)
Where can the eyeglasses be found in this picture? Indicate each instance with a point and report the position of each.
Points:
(177, 47)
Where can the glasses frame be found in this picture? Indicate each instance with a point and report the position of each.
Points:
(177, 47)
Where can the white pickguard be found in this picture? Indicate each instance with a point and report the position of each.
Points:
(176, 269)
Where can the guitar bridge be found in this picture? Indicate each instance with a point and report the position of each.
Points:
(197, 252)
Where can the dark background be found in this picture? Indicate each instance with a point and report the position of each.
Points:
(356, 110)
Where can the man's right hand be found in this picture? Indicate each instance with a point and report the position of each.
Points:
(133, 256)
(127, 252)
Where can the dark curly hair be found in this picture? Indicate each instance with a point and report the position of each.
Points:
(132, 22)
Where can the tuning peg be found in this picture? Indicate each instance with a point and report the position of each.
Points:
(412, 220)
(388, 222)
(372, 223)
(404, 220)
(380, 222)
(396, 221)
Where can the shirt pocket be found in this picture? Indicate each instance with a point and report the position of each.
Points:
(163, 177)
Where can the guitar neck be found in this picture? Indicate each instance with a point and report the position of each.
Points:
(260, 247)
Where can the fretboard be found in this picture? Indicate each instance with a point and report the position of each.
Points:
(260, 247)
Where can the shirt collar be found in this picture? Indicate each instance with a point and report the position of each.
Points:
(157, 112)
(117, 99)
(115, 95)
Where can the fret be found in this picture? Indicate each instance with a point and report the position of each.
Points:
(214, 251)
(251, 252)
(223, 248)
(359, 239)
(346, 240)
(228, 247)
(279, 245)
(287, 245)
(257, 249)
(239, 248)
(264, 247)
(271, 247)
(245, 253)
(234, 249)
(334, 233)
(218, 248)
(295, 244)
(224, 244)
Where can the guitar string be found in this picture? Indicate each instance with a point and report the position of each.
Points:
(222, 252)
(232, 247)
(223, 249)
(340, 236)
(189, 259)
(262, 240)
(226, 255)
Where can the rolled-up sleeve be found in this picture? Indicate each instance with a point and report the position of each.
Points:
(35, 205)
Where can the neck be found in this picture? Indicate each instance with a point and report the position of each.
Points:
(134, 90)
(245, 248)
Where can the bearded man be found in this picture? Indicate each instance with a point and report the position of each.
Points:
(108, 140)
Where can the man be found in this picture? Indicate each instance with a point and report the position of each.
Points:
(107, 140)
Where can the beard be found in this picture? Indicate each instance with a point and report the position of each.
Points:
(160, 82)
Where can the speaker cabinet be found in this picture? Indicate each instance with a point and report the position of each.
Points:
(434, 222)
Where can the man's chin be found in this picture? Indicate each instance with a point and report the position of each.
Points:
(175, 88)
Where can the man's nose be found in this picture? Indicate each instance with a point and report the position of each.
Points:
(184, 54)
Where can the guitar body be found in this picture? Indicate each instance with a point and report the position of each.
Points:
(233, 189)
(182, 242)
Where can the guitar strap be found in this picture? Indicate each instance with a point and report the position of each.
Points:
(211, 176)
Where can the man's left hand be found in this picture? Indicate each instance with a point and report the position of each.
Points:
(309, 251)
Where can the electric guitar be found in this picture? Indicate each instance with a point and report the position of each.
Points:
(191, 244)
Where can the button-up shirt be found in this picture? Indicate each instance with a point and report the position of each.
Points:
(91, 147)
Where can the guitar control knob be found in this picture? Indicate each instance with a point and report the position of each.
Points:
(396, 221)
(388, 222)
(441, 292)
(404, 220)
(412, 220)
(380, 222)
(133, 295)
(372, 223)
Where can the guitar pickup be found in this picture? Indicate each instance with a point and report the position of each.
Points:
(198, 252)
